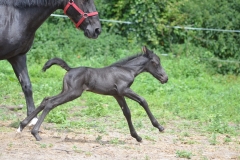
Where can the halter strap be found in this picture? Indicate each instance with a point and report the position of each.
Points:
(84, 15)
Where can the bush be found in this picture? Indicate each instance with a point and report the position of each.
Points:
(219, 15)
(64, 41)
(149, 19)
(152, 21)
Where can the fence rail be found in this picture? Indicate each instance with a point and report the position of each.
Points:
(176, 27)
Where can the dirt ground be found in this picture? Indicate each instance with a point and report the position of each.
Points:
(116, 145)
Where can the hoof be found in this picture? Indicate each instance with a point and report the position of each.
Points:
(19, 130)
(37, 137)
(161, 129)
(139, 139)
(33, 122)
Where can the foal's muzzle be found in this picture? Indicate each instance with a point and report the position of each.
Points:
(163, 79)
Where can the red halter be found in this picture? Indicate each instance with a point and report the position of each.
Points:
(84, 15)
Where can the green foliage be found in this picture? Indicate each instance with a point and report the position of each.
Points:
(227, 139)
(193, 92)
(15, 124)
(217, 15)
(149, 19)
(95, 111)
(116, 141)
(58, 37)
(211, 100)
(184, 154)
(153, 21)
(56, 116)
(213, 139)
(152, 25)
(217, 124)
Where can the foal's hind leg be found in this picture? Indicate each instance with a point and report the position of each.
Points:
(51, 104)
(122, 103)
(26, 121)
(132, 95)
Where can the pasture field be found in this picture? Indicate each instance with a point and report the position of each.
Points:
(198, 108)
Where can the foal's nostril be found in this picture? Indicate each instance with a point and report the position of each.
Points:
(97, 31)
(166, 79)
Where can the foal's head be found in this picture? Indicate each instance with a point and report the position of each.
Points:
(154, 66)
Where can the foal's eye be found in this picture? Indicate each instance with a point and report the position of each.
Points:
(154, 64)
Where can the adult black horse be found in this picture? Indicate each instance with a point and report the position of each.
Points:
(19, 21)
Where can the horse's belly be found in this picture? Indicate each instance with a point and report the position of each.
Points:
(7, 50)
(12, 48)
(101, 87)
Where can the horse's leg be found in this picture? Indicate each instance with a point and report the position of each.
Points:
(20, 68)
(53, 102)
(122, 103)
(132, 95)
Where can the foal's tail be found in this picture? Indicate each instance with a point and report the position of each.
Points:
(56, 61)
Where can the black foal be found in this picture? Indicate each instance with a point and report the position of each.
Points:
(114, 80)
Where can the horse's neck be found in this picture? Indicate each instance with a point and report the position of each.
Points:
(137, 65)
(38, 16)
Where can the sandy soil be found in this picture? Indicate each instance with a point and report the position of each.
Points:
(116, 145)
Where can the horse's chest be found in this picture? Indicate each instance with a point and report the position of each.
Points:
(15, 39)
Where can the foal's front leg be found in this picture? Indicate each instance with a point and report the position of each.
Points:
(132, 95)
(122, 103)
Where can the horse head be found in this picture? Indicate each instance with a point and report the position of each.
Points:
(154, 66)
(84, 15)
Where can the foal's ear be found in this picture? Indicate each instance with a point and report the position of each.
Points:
(145, 50)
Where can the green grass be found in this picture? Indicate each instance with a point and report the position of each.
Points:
(193, 92)
(184, 154)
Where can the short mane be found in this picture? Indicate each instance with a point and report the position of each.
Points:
(125, 60)
(29, 3)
